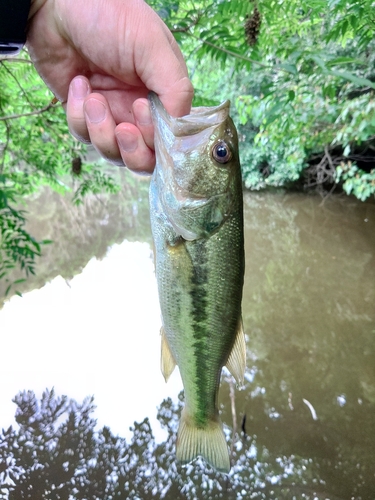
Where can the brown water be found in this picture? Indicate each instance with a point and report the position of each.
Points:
(306, 416)
(309, 312)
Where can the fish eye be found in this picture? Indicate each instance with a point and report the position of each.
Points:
(221, 152)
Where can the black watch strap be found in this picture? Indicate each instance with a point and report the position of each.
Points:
(13, 22)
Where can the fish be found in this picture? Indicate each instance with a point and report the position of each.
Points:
(196, 212)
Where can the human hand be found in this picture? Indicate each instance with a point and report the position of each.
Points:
(100, 58)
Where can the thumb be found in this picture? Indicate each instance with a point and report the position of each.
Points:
(177, 98)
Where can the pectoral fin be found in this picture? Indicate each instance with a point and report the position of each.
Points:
(167, 361)
(236, 363)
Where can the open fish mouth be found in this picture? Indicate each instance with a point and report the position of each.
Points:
(199, 119)
(177, 139)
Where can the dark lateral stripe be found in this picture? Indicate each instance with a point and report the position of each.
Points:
(198, 293)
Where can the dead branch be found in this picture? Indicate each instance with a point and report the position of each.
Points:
(324, 172)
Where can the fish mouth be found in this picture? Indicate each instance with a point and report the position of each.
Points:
(176, 137)
(199, 119)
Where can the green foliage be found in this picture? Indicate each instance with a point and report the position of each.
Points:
(36, 149)
(17, 246)
(356, 181)
(94, 181)
(301, 78)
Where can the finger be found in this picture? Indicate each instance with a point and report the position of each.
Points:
(163, 68)
(134, 151)
(177, 98)
(143, 120)
(170, 83)
(79, 89)
(101, 128)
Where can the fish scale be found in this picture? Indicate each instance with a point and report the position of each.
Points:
(197, 225)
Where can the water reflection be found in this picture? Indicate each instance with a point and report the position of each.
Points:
(82, 232)
(306, 415)
(96, 334)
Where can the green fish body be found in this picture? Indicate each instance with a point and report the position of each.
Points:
(197, 224)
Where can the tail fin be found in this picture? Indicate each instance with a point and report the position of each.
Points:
(208, 442)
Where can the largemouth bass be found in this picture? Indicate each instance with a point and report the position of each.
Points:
(197, 225)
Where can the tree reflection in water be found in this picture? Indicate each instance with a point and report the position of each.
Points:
(57, 453)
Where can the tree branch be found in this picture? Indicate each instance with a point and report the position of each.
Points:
(17, 82)
(229, 52)
(16, 59)
(35, 112)
(5, 146)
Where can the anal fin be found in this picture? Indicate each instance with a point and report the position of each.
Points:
(236, 363)
(167, 361)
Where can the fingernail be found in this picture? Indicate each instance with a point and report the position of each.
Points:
(127, 142)
(95, 110)
(80, 89)
(144, 115)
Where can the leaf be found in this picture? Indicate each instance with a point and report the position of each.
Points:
(21, 280)
(319, 62)
(345, 60)
(357, 80)
(290, 68)
(273, 113)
